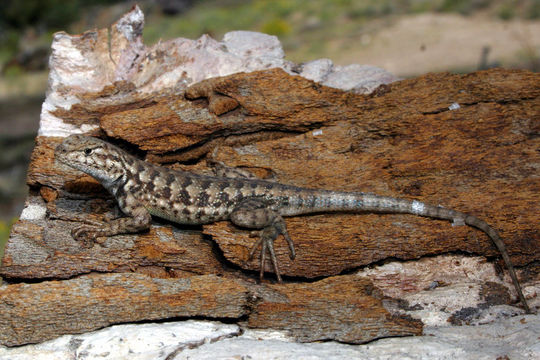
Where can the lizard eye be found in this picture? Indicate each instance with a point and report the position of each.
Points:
(87, 151)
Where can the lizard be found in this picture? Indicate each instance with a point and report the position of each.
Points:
(143, 190)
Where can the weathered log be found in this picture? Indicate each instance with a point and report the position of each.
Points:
(341, 308)
(46, 249)
(36, 312)
(467, 142)
(417, 150)
(406, 142)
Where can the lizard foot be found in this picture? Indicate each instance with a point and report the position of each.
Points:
(86, 235)
(255, 213)
(266, 241)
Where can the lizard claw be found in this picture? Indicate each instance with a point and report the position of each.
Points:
(267, 245)
(254, 248)
(266, 240)
(85, 234)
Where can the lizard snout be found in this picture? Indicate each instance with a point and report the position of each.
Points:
(60, 151)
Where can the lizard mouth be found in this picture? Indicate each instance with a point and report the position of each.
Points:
(61, 157)
(60, 154)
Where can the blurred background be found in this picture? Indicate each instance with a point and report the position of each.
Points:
(405, 37)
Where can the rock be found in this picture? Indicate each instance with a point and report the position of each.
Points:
(433, 289)
(150, 341)
(203, 340)
(470, 342)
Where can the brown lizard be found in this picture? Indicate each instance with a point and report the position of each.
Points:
(143, 189)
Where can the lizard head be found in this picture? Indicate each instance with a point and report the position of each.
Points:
(93, 156)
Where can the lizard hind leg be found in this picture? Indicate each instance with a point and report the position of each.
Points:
(255, 214)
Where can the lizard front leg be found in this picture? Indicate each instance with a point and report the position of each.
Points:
(255, 214)
(138, 219)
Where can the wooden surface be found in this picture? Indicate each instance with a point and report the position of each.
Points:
(344, 308)
(401, 141)
(37, 312)
(351, 309)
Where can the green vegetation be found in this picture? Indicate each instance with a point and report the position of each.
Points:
(296, 22)
(465, 7)
(217, 17)
(38, 20)
(506, 11)
(5, 228)
(14, 157)
(301, 24)
(533, 11)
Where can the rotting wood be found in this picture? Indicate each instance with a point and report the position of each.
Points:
(343, 308)
(400, 141)
(37, 312)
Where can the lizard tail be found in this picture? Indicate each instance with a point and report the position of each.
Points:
(362, 202)
(459, 218)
